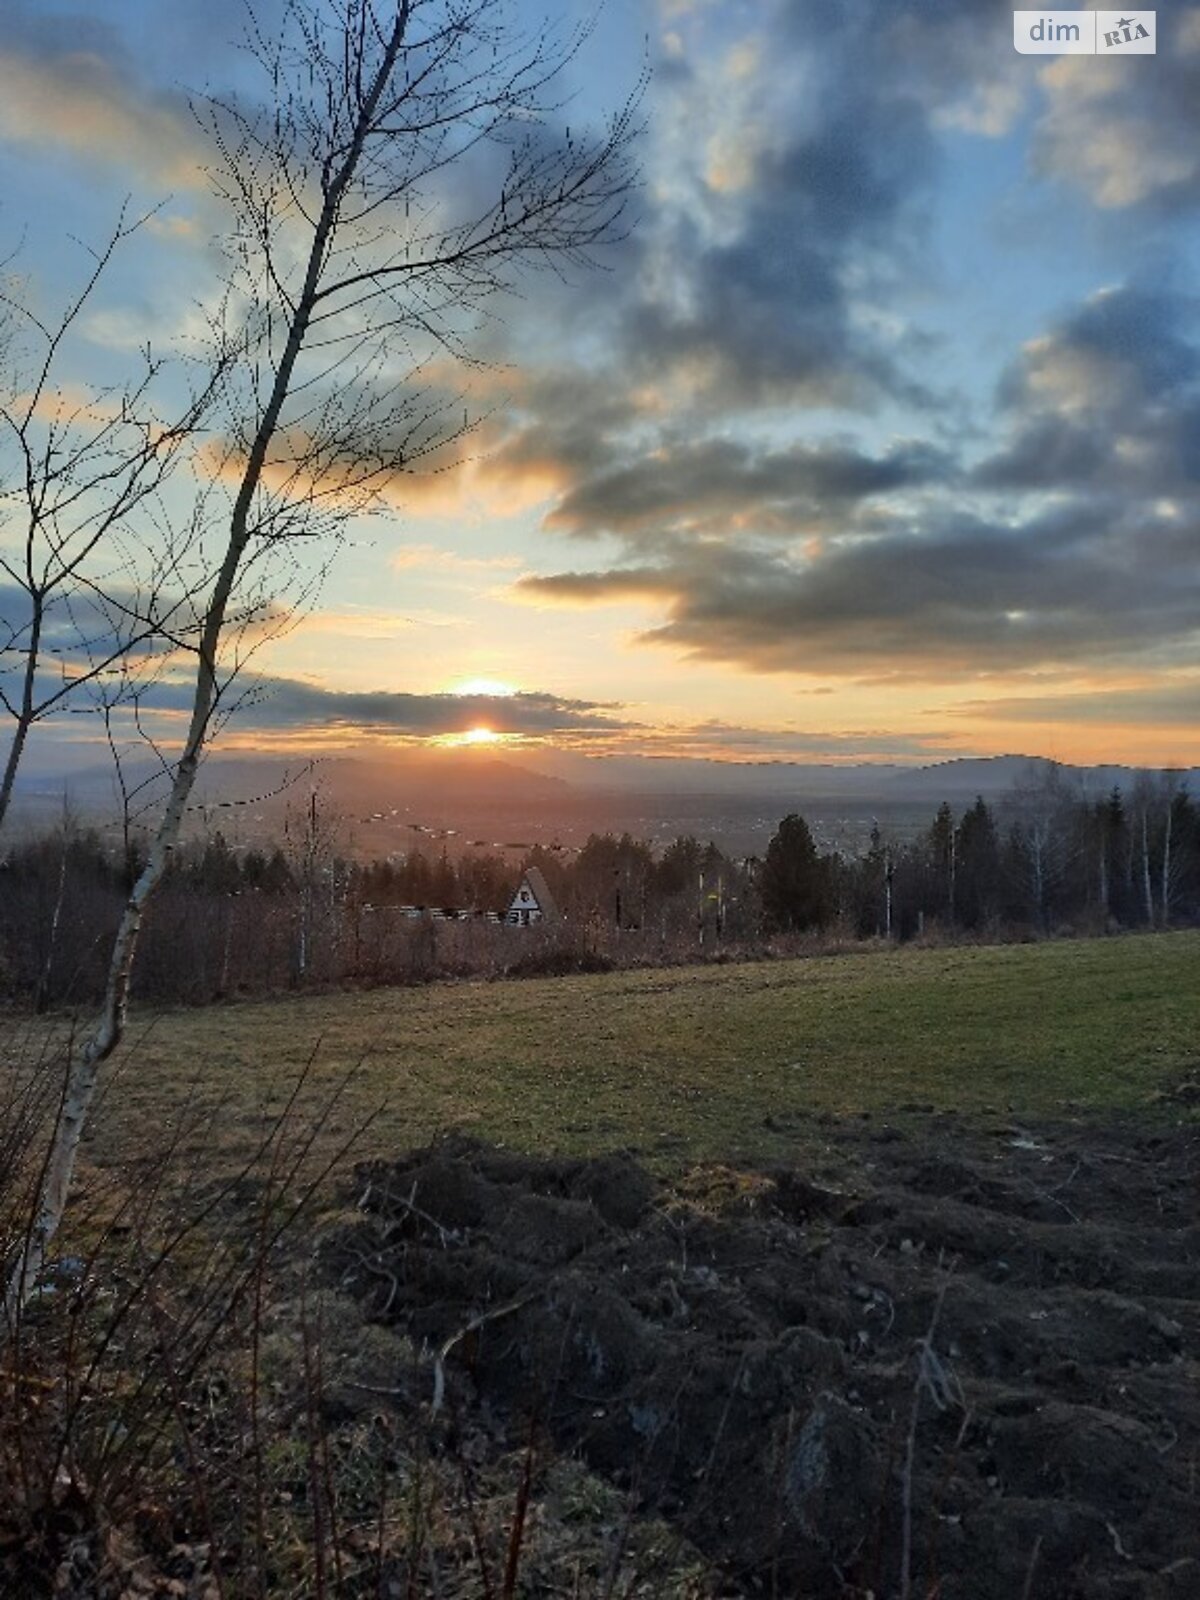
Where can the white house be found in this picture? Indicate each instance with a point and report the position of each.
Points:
(532, 902)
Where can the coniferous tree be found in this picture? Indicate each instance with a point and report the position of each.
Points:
(977, 866)
(795, 882)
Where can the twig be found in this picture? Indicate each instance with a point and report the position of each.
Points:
(516, 1536)
(1117, 1545)
(1027, 1591)
(439, 1372)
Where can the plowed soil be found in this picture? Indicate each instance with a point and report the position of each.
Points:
(936, 1361)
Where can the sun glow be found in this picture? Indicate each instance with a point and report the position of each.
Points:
(480, 736)
(493, 687)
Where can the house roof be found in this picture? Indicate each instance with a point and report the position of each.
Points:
(536, 880)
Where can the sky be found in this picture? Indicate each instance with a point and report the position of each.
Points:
(875, 438)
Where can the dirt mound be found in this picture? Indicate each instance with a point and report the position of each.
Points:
(968, 1357)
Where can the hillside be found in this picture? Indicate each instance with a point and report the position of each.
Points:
(725, 1062)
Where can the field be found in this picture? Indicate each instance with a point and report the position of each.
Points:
(870, 1274)
(679, 1065)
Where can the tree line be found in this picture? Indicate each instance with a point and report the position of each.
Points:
(230, 920)
(1045, 860)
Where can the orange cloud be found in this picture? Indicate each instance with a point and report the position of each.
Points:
(479, 471)
(592, 588)
(77, 103)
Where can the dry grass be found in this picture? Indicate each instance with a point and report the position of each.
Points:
(682, 1065)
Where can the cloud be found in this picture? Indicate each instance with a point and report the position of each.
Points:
(727, 483)
(286, 707)
(989, 109)
(939, 595)
(597, 588)
(1174, 703)
(290, 703)
(1074, 541)
(1109, 399)
(752, 283)
(722, 739)
(78, 629)
(1126, 136)
(68, 95)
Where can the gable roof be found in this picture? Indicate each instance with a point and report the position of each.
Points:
(536, 880)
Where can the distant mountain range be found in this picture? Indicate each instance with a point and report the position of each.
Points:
(477, 792)
(478, 778)
(955, 780)
(997, 775)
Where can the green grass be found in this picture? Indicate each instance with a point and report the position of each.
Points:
(680, 1064)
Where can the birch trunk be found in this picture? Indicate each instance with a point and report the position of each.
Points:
(887, 884)
(1166, 867)
(1147, 889)
(25, 716)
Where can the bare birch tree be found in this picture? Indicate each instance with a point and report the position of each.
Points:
(411, 154)
(1155, 799)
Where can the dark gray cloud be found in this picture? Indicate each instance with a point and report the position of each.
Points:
(562, 426)
(715, 482)
(282, 703)
(77, 628)
(950, 593)
(612, 583)
(1108, 399)
(768, 314)
(763, 295)
(1075, 542)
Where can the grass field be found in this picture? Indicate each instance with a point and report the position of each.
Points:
(714, 1063)
(688, 1067)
